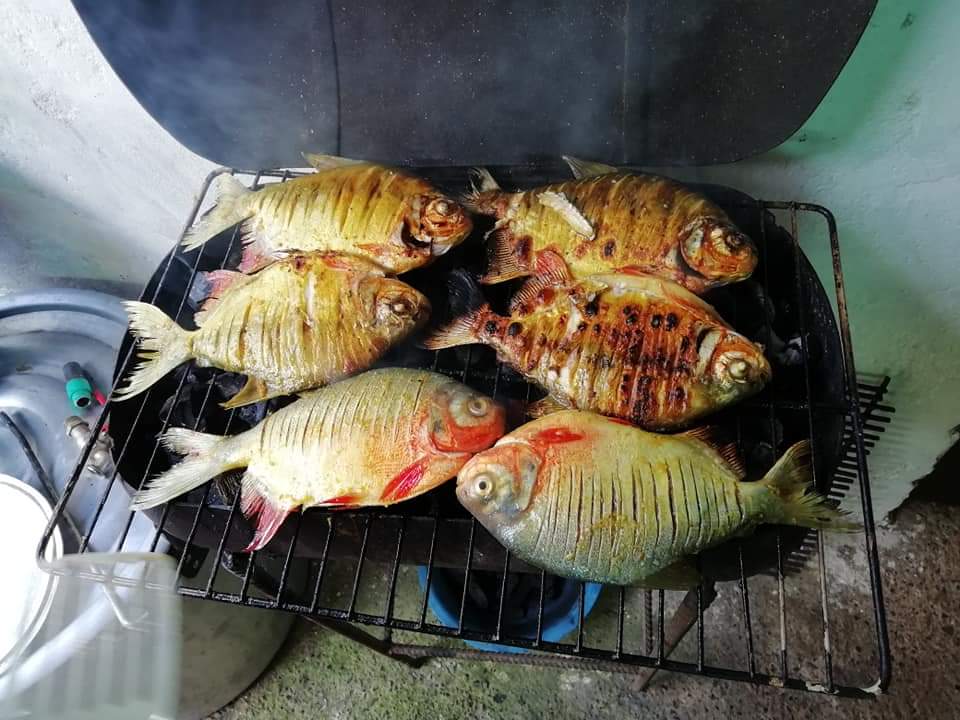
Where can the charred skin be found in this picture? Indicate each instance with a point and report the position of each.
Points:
(306, 321)
(630, 355)
(396, 220)
(651, 224)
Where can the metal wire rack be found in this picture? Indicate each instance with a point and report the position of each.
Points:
(346, 567)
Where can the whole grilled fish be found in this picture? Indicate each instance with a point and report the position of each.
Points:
(398, 221)
(592, 498)
(607, 220)
(634, 347)
(299, 323)
(376, 439)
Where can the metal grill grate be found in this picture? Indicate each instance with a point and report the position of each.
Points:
(355, 566)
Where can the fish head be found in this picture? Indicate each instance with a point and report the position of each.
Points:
(730, 366)
(463, 420)
(497, 485)
(435, 223)
(717, 250)
(394, 308)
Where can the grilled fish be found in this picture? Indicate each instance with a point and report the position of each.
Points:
(595, 499)
(607, 220)
(376, 439)
(396, 220)
(634, 347)
(300, 323)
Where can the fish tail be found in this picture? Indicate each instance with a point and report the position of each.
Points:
(204, 460)
(163, 346)
(470, 307)
(795, 502)
(232, 207)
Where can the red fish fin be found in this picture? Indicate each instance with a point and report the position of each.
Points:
(713, 436)
(550, 270)
(340, 502)
(405, 482)
(545, 406)
(621, 421)
(557, 435)
(268, 517)
(632, 270)
(506, 260)
(463, 330)
(484, 191)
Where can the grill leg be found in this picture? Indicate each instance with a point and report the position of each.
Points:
(677, 627)
(382, 647)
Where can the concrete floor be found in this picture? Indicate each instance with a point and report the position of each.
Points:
(320, 674)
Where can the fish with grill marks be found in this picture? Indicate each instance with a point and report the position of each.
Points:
(376, 439)
(629, 346)
(606, 220)
(393, 218)
(300, 323)
(596, 499)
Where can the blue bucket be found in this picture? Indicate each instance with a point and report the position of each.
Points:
(560, 607)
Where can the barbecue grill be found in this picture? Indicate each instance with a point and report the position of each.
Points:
(358, 567)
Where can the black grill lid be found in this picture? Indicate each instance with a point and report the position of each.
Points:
(659, 82)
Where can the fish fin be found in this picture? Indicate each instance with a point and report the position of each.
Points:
(586, 168)
(503, 262)
(482, 181)
(681, 575)
(258, 252)
(713, 436)
(568, 211)
(255, 390)
(471, 306)
(257, 507)
(327, 162)
(340, 502)
(202, 463)
(796, 502)
(549, 270)
(162, 346)
(405, 482)
(545, 406)
(232, 207)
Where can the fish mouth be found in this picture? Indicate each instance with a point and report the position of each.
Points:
(436, 249)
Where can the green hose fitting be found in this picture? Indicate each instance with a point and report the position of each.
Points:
(78, 387)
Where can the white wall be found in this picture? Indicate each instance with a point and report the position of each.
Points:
(93, 190)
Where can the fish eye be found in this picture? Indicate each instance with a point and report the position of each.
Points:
(400, 307)
(478, 406)
(739, 370)
(483, 485)
(443, 207)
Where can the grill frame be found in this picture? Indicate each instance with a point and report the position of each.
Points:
(865, 417)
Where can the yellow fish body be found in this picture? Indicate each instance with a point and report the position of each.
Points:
(595, 499)
(300, 323)
(376, 439)
(397, 220)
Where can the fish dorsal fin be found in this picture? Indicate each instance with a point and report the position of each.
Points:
(629, 279)
(481, 180)
(586, 168)
(712, 436)
(550, 270)
(559, 203)
(328, 162)
(545, 406)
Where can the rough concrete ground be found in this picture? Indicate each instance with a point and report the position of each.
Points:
(321, 674)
